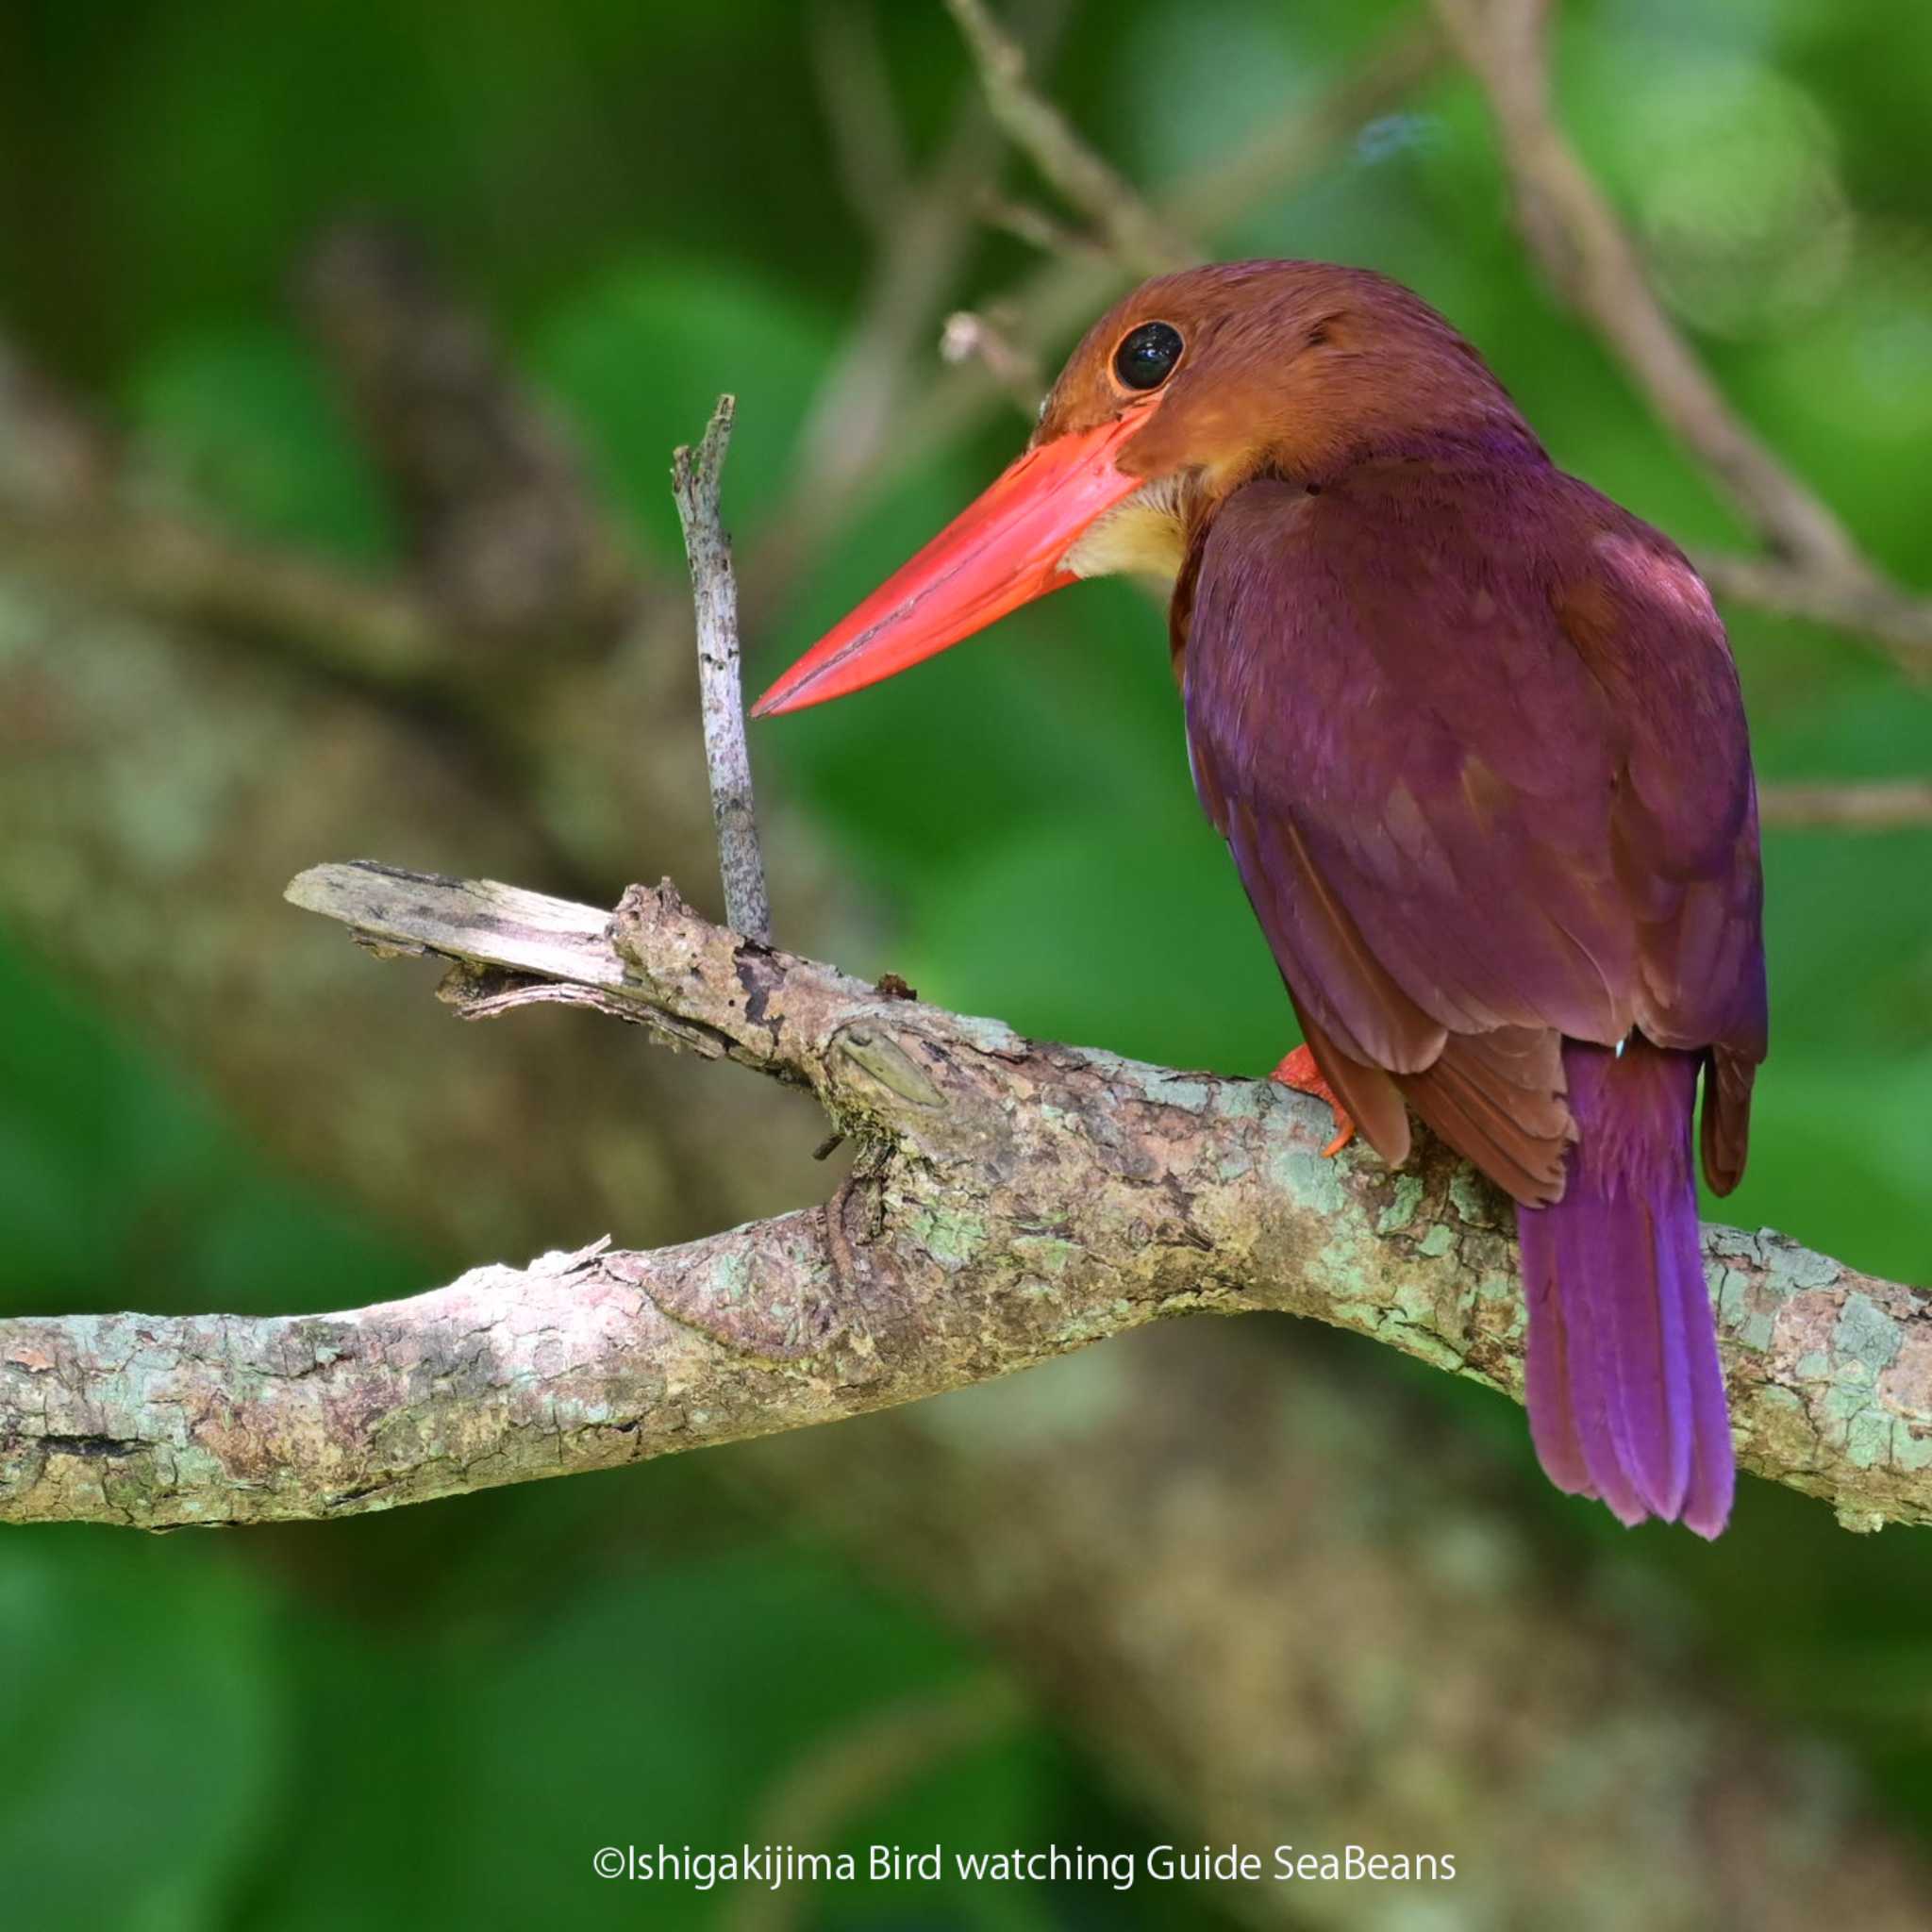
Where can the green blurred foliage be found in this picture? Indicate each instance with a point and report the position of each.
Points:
(437, 1718)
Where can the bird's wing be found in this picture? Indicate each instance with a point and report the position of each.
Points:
(1474, 738)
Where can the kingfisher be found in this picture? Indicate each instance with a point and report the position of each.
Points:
(1473, 737)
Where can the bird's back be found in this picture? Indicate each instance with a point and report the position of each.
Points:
(1475, 738)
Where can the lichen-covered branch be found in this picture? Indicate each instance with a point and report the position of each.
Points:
(1291, 1476)
(1015, 1201)
(1105, 1523)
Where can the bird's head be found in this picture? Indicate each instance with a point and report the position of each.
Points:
(1182, 392)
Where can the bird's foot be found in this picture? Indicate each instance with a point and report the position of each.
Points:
(1299, 1072)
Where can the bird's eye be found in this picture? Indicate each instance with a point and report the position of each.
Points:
(1147, 356)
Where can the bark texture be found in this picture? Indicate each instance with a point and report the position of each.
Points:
(1015, 1201)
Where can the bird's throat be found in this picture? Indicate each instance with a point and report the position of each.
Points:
(1144, 536)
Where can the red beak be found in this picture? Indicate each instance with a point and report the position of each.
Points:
(1001, 552)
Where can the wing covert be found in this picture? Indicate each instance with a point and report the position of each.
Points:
(1474, 738)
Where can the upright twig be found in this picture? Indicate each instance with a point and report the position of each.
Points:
(695, 479)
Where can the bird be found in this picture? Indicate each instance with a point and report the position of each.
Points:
(1474, 739)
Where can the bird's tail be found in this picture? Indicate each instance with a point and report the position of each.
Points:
(1626, 1396)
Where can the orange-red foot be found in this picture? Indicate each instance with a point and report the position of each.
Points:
(1298, 1070)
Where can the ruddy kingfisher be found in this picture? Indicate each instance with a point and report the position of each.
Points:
(1474, 739)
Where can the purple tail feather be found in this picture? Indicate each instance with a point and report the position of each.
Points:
(1627, 1396)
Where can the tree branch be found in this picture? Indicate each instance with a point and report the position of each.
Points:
(1878, 805)
(1818, 568)
(696, 479)
(1015, 1201)
(1202, 1488)
(1816, 571)
(1864, 606)
(509, 547)
(1037, 128)
(1062, 295)
(504, 531)
(1302, 1501)
(372, 633)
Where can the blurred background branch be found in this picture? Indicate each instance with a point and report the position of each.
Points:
(169, 755)
(1882, 807)
(505, 536)
(1589, 257)
(1135, 233)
